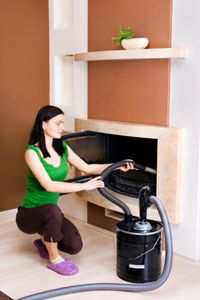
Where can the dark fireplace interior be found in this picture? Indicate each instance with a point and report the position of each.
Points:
(96, 147)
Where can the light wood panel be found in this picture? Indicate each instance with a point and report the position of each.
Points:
(24, 273)
(162, 53)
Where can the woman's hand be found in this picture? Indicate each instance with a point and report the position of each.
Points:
(94, 183)
(127, 167)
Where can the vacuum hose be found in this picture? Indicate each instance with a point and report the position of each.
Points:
(115, 286)
(111, 197)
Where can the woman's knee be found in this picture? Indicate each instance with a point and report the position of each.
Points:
(75, 245)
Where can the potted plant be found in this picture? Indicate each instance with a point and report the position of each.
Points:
(126, 38)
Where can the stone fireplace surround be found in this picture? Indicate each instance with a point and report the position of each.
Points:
(169, 165)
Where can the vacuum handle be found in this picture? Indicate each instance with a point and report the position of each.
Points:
(114, 166)
(78, 134)
(80, 179)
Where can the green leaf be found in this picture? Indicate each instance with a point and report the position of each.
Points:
(126, 33)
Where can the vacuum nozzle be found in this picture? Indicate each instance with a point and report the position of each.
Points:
(145, 169)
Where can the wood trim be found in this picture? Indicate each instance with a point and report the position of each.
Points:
(159, 53)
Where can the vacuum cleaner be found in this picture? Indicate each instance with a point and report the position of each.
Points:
(139, 253)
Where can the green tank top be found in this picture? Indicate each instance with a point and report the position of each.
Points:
(36, 195)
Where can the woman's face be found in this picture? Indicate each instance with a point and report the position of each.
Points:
(54, 127)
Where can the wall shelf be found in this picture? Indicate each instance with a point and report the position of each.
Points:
(154, 53)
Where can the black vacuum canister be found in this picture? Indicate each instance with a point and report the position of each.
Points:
(139, 250)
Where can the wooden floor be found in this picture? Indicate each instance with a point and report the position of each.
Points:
(23, 272)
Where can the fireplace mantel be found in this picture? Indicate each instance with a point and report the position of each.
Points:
(169, 164)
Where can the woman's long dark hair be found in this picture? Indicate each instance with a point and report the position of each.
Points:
(37, 133)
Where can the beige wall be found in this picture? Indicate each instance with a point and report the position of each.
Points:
(24, 87)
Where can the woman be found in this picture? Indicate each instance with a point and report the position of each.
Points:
(48, 159)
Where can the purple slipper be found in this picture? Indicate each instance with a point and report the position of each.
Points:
(41, 249)
(66, 267)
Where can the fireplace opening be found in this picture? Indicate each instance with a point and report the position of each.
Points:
(142, 151)
(96, 147)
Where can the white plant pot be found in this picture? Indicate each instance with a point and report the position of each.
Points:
(135, 43)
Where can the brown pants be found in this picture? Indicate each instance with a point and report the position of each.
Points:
(49, 221)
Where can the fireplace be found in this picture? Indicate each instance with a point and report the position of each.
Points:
(154, 146)
(94, 147)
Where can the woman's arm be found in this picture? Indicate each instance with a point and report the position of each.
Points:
(49, 185)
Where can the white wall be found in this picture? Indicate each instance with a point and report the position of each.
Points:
(184, 113)
(68, 80)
